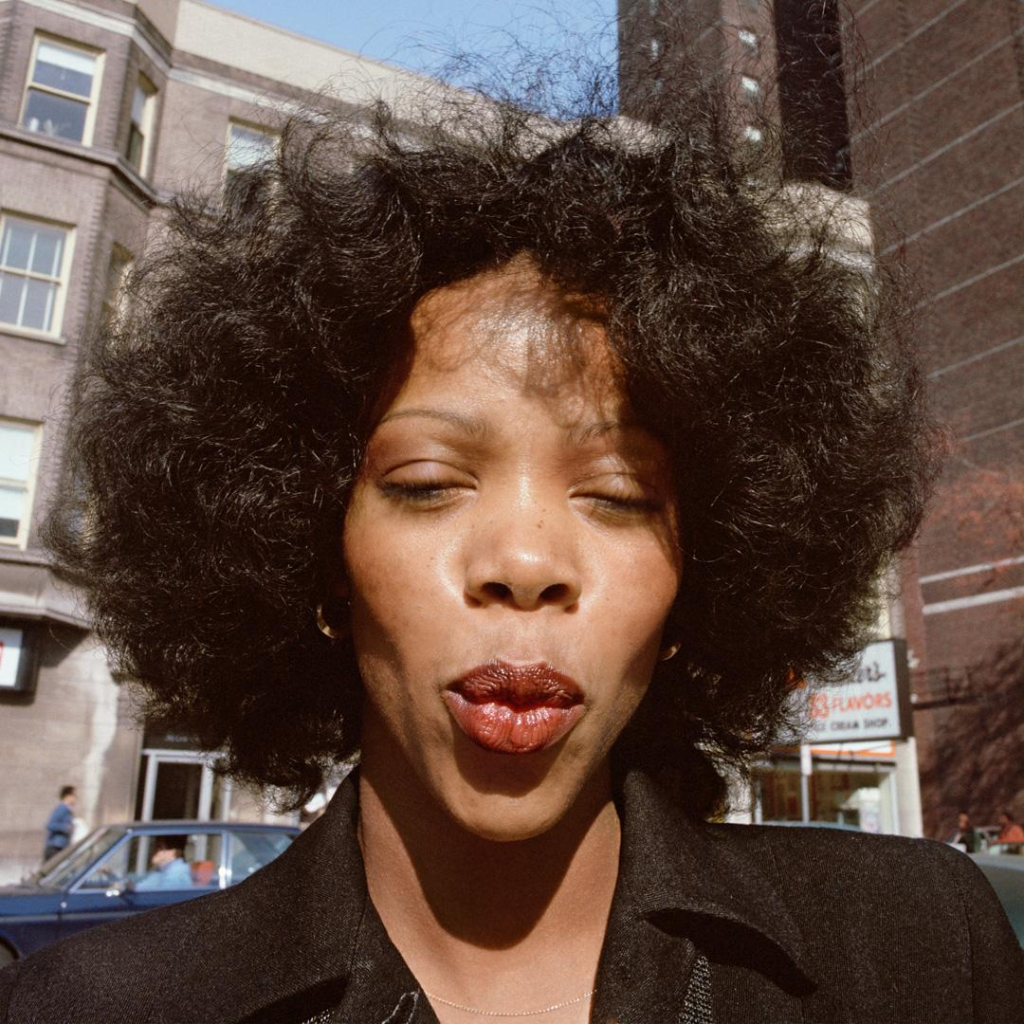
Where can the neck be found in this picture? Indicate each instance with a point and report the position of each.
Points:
(475, 918)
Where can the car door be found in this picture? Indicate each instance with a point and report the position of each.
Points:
(134, 877)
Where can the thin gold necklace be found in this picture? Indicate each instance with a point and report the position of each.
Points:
(500, 1013)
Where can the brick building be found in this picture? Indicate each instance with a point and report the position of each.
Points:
(919, 106)
(945, 86)
(107, 108)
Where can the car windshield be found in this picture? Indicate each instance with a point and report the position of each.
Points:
(58, 871)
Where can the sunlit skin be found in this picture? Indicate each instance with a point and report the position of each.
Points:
(509, 508)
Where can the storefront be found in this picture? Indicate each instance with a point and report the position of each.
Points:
(857, 766)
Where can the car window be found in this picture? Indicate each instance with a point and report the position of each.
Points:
(166, 861)
(63, 870)
(251, 850)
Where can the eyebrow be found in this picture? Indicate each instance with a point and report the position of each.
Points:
(477, 428)
(467, 424)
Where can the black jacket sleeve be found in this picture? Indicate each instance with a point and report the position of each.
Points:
(997, 960)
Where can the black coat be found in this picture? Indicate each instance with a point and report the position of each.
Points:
(709, 923)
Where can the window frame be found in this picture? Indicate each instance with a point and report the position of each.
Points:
(91, 103)
(150, 91)
(62, 281)
(119, 265)
(20, 540)
(248, 126)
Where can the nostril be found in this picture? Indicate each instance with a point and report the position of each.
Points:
(497, 591)
(556, 593)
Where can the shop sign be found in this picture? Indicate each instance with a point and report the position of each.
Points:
(873, 705)
(17, 657)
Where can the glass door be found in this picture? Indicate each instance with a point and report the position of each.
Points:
(180, 785)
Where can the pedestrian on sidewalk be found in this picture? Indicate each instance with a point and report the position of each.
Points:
(60, 826)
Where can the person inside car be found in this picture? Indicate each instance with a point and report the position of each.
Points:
(170, 870)
(536, 462)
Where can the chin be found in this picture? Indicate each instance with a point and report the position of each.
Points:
(510, 797)
(507, 819)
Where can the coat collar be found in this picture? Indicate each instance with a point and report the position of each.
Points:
(681, 881)
(724, 875)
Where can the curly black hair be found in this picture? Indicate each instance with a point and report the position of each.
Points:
(218, 425)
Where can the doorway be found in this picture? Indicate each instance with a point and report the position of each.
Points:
(180, 785)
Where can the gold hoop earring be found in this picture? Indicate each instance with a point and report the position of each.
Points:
(669, 652)
(325, 627)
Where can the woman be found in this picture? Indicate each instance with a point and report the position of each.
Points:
(537, 467)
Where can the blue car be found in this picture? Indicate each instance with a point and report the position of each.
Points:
(126, 869)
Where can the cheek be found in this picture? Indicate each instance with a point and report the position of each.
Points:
(641, 590)
(392, 583)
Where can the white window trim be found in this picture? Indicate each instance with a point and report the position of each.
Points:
(250, 126)
(148, 121)
(20, 541)
(92, 103)
(114, 298)
(63, 281)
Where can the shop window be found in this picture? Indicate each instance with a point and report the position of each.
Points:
(140, 131)
(19, 454)
(33, 262)
(249, 148)
(61, 94)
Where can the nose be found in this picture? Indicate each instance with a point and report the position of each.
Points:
(523, 559)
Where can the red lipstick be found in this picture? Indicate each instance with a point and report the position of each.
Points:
(514, 709)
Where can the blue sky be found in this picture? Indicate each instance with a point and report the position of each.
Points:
(418, 33)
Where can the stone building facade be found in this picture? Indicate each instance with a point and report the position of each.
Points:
(108, 108)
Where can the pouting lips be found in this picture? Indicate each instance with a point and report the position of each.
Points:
(515, 709)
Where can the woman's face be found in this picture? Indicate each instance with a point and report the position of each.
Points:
(511, 558)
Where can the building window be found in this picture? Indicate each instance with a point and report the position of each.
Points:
(33, 262)
(60, 99)
(140, 131)
(655, 49)
(812, 92)
(752, 134)
(118, 269)
(19, 454)
(748, 40)
(248, 149)
(750, 86)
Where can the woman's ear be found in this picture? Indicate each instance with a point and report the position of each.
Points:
(332, 614)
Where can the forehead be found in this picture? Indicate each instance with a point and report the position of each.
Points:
(513, 330)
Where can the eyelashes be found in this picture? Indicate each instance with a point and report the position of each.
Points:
(433, 494)
(417, 493)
